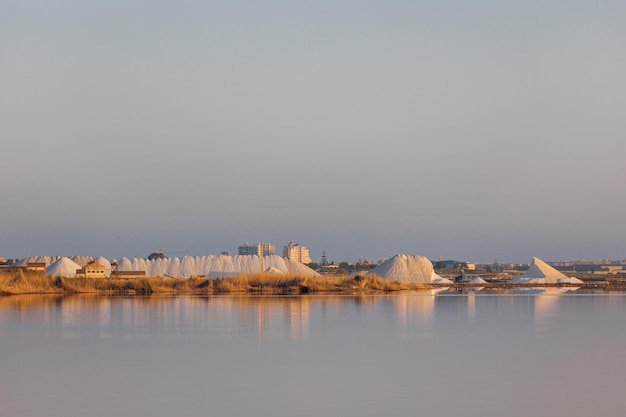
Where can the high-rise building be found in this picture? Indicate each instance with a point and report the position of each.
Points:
(296, 252)
(264, 249)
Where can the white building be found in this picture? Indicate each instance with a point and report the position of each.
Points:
(265, 249)
(296, 252)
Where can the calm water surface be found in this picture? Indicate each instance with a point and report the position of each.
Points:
(533, 353)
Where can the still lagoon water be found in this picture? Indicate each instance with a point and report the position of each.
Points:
(528, 353)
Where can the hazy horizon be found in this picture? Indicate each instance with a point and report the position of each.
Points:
(316, 260)
(454, 130)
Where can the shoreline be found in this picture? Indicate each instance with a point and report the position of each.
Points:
(19, 283)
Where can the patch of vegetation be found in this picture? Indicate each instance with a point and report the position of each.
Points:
(22, 282)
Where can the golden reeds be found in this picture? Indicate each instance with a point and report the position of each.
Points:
(23, 282)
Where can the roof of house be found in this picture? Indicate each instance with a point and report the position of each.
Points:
(94, 265)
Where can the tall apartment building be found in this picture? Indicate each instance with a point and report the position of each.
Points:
(264, 249)
(296, 252)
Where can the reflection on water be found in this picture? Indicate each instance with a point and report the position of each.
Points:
(88, 316)
(439, 353)
(91, 316)
(415, 312)
(547, 307)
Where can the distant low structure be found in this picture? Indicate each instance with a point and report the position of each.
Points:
(592, 269)
(452, 265)
(128, 274)
(260, 249)
(92, 270)
(36, 267)
(296, 252)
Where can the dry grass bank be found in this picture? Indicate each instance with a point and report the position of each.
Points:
(22, 282)
(292, 284)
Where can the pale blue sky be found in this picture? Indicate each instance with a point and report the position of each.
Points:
(453, 129)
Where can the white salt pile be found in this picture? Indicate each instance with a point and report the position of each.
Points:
(471, 279)
(63, 267)
(407, 268)
(81, 260)
(49, 260)
(106, 264)
(214, 266)
(211, 266)
(540, 272)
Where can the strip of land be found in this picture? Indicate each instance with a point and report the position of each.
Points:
(24, 282)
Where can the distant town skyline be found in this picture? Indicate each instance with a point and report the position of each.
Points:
(454, 130)
(269, 248)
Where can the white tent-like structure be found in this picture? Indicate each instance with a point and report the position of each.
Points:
(408, 268)
(540, 272)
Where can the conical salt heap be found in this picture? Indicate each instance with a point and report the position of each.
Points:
(540, 272)
(407, 268)
(64, 267)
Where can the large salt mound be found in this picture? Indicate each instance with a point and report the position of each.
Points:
(81, 260)
(298, 268)
(224, 265)
(49, 260)
(64, 267)
(407, 268)
(273, 270)
(106, 264)
(540, 272)
(214, 266)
